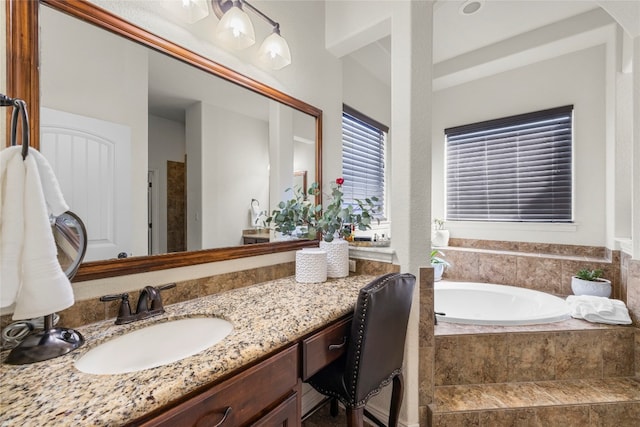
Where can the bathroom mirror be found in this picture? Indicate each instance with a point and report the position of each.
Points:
(23, 79)
(70, 236)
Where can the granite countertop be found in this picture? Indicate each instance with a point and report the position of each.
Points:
(265, 317)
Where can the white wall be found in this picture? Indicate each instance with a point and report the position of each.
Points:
(314, 75)
(112, 87)
(228, 186)
(166, 143)
(578, 79)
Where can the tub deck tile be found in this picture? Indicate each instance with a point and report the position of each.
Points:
(535, 394)
(443, 328)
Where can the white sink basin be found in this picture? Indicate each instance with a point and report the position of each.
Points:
(154, 345)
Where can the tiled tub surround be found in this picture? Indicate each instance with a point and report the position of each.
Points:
(266, 317)
(565, 374)
(544, 267)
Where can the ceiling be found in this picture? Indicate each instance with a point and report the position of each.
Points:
(456, 34)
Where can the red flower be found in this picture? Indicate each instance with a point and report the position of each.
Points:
(339, 181)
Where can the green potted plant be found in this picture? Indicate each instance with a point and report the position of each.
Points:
(590, 282)
(439, 264)
(296, 217)
(335, 223)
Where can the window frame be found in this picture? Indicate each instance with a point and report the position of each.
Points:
(502, 123)
(348, 110)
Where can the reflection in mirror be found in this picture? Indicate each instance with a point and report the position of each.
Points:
(169, 157)
(300, 181)
(70, 236)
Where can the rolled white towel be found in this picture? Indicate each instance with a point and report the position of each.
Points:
(620, 316)
(596, 309)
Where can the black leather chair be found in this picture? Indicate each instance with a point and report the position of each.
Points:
(375, 350)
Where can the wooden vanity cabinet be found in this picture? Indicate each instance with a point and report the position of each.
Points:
(324, 347)
(263, 395)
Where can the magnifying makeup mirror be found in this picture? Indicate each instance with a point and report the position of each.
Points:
(71, 241)
(70, 236)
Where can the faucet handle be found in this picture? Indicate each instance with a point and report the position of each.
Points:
(167, 286)
(124, 312)
(156, 303)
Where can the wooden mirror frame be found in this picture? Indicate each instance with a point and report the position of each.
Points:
(23, 81)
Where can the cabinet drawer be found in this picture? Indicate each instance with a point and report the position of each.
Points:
(240, 399)
(315, 349)
(285, 414)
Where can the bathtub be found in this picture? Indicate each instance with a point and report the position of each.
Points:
(488, 304)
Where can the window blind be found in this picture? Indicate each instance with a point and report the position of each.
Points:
(515, 169)
(363, 141)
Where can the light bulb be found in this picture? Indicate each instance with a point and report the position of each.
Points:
(274, 51)
(235, 29)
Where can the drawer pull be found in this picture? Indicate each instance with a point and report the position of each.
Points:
(219, 423)
(338, 346)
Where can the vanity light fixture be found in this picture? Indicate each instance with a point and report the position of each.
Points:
(236, 30)
(194, 10)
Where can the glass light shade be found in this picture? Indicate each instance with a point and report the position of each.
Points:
(194, 10)
(275, 51)
(235, 29)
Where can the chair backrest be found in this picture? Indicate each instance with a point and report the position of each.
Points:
(376, 346)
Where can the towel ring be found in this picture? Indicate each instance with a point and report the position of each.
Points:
(19, 111)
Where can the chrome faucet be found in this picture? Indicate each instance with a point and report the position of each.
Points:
(149, 304)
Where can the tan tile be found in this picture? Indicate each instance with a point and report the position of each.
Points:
(458, 419)
(531, 357)
(426, 372)
(521, 395)
(482, 359)
(509, 418)
(570, 392)
(538, 273)
(618, 348)
(498, 245)
(633, 289)
(375, 268)
(497, 268)
(465, 398)
(637, 352)
(447, 371)
(615, 389)
(578, 355)
(426, 320)
(464, 265)
(562, 416)
(615, 415)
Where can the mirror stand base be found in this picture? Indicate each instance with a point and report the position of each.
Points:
(45, 345)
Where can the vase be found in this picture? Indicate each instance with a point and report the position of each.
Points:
(311, 266)
(598, 288)
(438, 269)
(337, 257)
(440, 238)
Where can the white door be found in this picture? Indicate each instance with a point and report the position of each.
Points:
(91, 159)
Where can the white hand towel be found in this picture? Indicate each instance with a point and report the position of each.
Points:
(595, 309)
(602, 305)
(45, 288)
(50, 187)
(12, 175)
